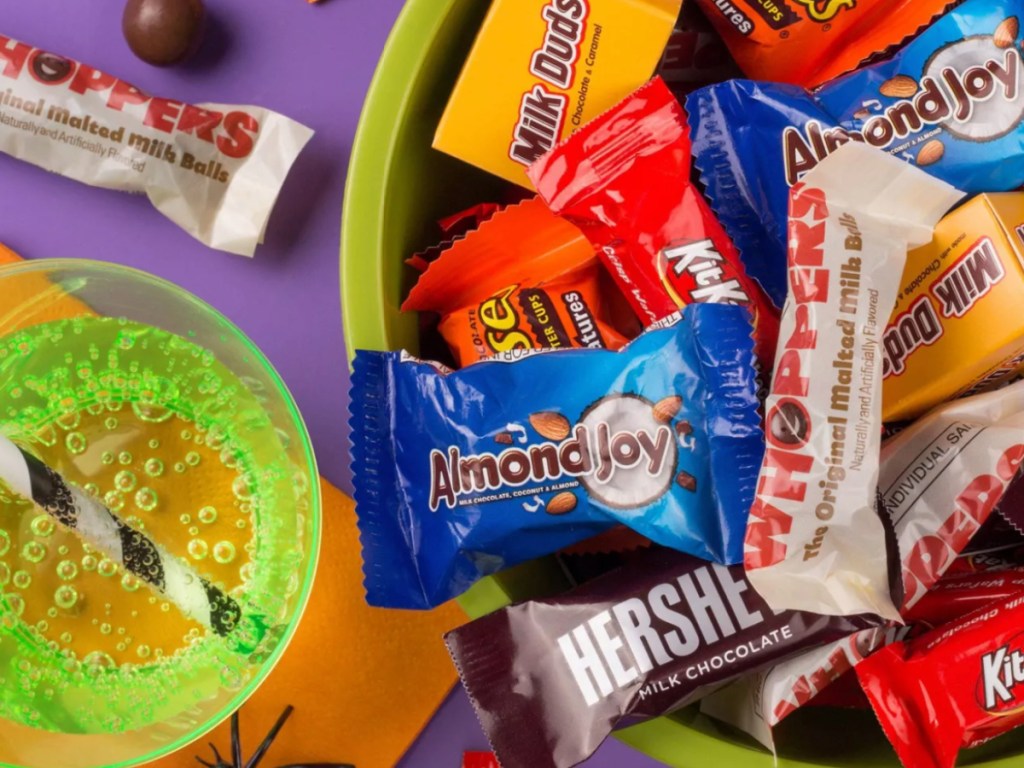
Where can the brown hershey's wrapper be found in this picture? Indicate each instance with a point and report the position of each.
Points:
(550, 679)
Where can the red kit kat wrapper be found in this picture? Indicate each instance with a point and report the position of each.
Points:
(624, 179)
(952, 688)
(550, 679)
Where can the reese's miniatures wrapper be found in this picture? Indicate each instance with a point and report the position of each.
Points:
(540, 69)
(807, 42)
(461, 474)
(951, 102)
(952, 688)
(957, 327)
(815, 540)
(525, 279)
(550, 679)
(624, 179)
(453, 228)
(213, 169)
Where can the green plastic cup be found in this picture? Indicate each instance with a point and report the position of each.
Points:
(397, 188)
(157, 405)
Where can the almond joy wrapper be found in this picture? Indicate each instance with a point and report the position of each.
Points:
(950, 102)
(461, 474)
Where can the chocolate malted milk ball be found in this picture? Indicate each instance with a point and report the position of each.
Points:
(163, 32)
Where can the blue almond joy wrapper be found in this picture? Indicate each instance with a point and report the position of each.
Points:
(461, 474)
(952, 101)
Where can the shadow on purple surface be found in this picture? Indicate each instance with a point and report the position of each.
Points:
(436, 748)
(304, 192)
(216, 45)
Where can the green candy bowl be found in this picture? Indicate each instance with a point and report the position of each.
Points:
(398, 186)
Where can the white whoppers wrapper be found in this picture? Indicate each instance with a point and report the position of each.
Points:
(815, 541)
(940, 480)
(214, 170)
(758, 702)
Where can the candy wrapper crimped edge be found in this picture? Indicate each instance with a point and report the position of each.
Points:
(724, 340)
(715, 157)
(374, 472)
(477, 664)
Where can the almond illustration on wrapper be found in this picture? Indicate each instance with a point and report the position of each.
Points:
(1006, 33)
(667, 409)
(899, 87)
(561, 504)
(687, 482)
(551, 425)
(931, 152)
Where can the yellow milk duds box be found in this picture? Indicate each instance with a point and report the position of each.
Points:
(540, 69)
(958, 324)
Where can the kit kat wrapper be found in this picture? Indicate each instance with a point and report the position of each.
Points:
(550, 679)
(624, 180)
(953, 688)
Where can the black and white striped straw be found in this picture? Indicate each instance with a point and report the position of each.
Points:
(196, 597)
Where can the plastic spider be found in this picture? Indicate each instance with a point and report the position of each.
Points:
(257, 757)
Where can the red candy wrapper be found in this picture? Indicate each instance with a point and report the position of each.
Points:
(453, 228)
(987, 562)
(479, 760)
(952, 688)
(624, 179)
(955, 597)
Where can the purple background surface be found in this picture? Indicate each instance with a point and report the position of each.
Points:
(314, 64)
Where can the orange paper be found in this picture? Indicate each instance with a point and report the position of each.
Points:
(52, 303)
(363, 681)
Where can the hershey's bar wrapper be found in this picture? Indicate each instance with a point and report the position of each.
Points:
(551, 678)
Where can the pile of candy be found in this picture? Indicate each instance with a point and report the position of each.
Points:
(778, 335)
